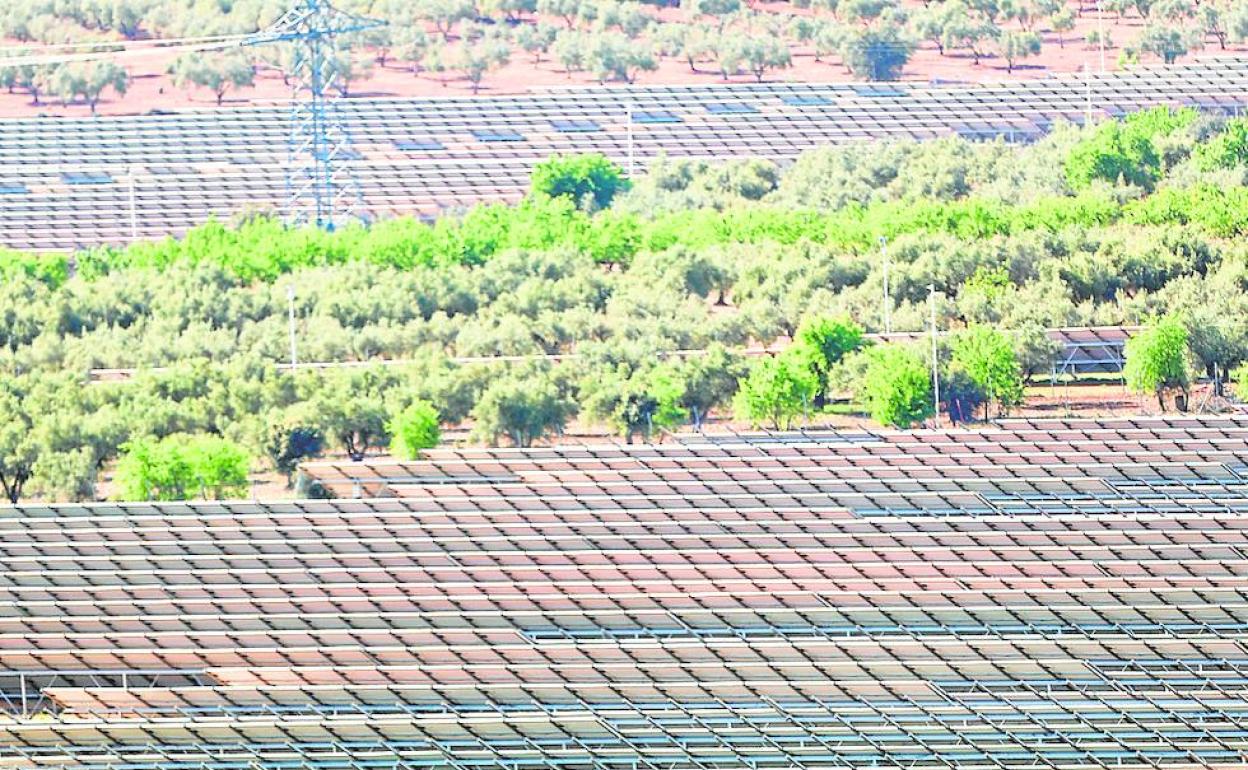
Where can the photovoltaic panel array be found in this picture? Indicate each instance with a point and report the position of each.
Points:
(1040, 593)
(75, 182)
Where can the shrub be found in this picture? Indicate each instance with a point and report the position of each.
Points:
(1156, 360)
(775, 392)
(178, 467)
(591, 182)
(988, 359)
(821, 343)
(896, 386)
(414, 429)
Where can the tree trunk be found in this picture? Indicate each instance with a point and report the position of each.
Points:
(13, 487)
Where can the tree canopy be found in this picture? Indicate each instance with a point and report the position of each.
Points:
(897, 386)
(988, 358)
(642, 314)
(1156, 360)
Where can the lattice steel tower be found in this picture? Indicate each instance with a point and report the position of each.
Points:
(320, 190)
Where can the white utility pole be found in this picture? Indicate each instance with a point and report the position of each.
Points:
(931, 300)
(290, 308)
(888, 300)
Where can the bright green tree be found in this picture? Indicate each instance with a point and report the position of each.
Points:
(414, 429)
(988, 358)
(1156, 360)
(219, 466)
(896, 386)
(1112, 153)
(777, 390)
(821, 342)
(181, 466)
(1227, 149)
(1240, 378)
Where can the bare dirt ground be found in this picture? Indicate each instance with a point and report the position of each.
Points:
(152, 89)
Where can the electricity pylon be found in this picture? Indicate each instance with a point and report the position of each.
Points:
(320, 190)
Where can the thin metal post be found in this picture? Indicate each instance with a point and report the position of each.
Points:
(290, 309)
(931, 300)
(628, 122)
(21, 678)
(888, 300)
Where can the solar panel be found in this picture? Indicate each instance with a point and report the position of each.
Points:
(879, 91)
(231, 155)
(656, 116)
(419, 145)
(575, 126)
(86, 177)
(497, 135)
(730, 108)
(804, 100)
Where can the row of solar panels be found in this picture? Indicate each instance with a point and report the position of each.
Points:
(68, 183)
(377, 633)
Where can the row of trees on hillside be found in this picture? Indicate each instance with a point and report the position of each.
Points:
(613, 40)
(59, 432)
(169, 429)
(1118, 223)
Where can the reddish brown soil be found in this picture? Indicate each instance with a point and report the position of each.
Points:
(152, 89)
